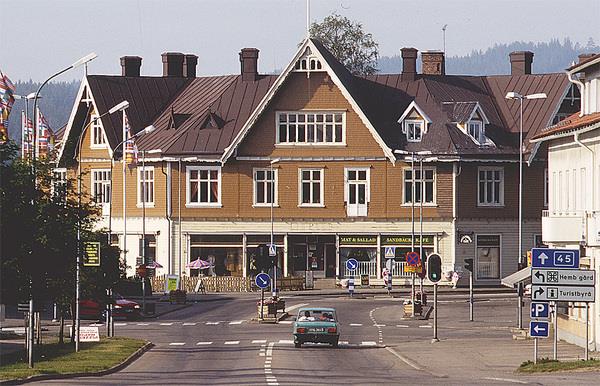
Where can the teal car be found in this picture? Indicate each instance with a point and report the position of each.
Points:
(317, 325)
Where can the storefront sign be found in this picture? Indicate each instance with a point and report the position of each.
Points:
(412, 268)
(171, 283)
(406, 240)
(358, 240)
(364, 280)
(488, 240)
(91, 254)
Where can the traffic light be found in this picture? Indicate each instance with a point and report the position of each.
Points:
(469, 264)
(434, 268)
(262, 258)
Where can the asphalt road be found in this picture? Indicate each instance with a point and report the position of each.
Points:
(216, 343)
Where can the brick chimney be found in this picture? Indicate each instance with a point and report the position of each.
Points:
(409, 63)
(249, 64)
(434, 63)
(189, 65)
(172, 64)
(520, 62)
(130, 65)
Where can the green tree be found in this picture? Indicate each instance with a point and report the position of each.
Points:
(38, 234)
(348, 42)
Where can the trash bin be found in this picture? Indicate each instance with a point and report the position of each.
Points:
(150, 308)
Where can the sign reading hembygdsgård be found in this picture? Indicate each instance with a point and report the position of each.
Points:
(563, 293)
(563, 276)
(554, 258)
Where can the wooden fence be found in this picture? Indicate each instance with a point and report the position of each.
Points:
(227, 283)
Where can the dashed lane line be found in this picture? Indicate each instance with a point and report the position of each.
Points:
(177, 344)
(166, 324)
(402, 325)
(189, 324)
(286, 341)
(507, 380)
(212, 323)
(143, 324)
(203, 343)
(237, 322)
(269, 377)
(120, 324)
(232, 342)
(286, 322)
(355, 324)
(259, 341)
(368, 343)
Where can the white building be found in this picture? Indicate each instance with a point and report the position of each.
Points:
(573, 216)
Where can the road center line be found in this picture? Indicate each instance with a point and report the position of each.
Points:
(507, 380)
(166, 324)
(356, 324)
(232, 342)
(177, 344)
(259, 341)
(203, 343)
(189, 324)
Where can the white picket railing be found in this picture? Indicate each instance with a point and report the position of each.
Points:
(370, 268)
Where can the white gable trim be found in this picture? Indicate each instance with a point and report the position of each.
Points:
(83, 86)
(282, 77)
(414, 106)
(478, 108)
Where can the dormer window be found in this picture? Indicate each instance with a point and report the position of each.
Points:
(475, 130)
(414, 130)
(414, 123)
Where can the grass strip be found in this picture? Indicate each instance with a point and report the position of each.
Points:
(92, 357)
(546, 365)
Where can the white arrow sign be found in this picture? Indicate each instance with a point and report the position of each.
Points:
(563, 293)
(563, 276)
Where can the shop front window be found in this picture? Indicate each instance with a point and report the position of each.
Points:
(252, 243)
(366, 257)
(223, 253)
(488, 256)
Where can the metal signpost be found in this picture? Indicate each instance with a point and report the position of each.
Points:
(556, 277)
(413, 260)
(434, 274)
(351, 265)
(262, 281)
(273, 254)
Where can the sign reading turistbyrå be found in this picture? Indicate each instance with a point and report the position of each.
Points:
(91, 254)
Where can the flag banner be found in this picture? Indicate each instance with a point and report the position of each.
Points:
(130, 146)
(7, 99)
(26, 136)
(44, 135)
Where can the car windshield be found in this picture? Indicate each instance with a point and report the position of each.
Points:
(316, 316)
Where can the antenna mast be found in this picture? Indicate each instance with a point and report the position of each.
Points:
(444, 36)
(307, 19)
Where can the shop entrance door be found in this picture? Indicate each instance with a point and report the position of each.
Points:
(357, 192)
(330, 260)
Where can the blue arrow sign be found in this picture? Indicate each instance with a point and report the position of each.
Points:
(540, 310)
(262, 280)
(538, 329)
(554, 258)
(351, 264)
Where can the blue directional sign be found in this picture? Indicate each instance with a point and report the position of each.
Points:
(540, 310)
(351, 264)
(554, 258)
(538, 329)
(262, 280)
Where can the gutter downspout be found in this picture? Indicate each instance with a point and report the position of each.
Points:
(593, 202)
(581, 91)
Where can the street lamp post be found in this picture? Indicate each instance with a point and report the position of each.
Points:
(516, 96)
(113, 110)
(23, 141)
(274, 281)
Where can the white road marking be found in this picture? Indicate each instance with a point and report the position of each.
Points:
(402, 325)
(203, 343)
(259, 341)
(286, 322)
(176, 344)
(285, 341)
(507, 380)
(96, 324)
(379, 325)
(143, 324)
(355, 324)
(189, 324)
(120, 324)
(369, 343)
(268, 371)
(291, 308)
(425, 326)
(232, 342)
(212, 323)
(344, 342)
(404, 359)
(261, 354)
(166, 324)
(237, 322)
(270, 349)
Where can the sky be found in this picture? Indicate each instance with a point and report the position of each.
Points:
(41, 37)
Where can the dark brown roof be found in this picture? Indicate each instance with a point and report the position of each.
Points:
(459, 112)
(571, 123)
(147, 97)
(596, 56)
(211, 112)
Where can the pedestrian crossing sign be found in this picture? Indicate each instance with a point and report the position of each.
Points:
(390, 252)
(272, 250)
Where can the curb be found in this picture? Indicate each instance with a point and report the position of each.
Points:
(44, 377)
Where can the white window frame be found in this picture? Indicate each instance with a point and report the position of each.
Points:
(306, 113)
(104, 184)
(546, 187)
(501, 187)
(417, 169)
(148, 204)
(320, 204)
(367, 182)
(191, 204)
(96, 132)
(416, 122)
(265, 182)
(59, 178)
(480, 139)
(476, 260)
